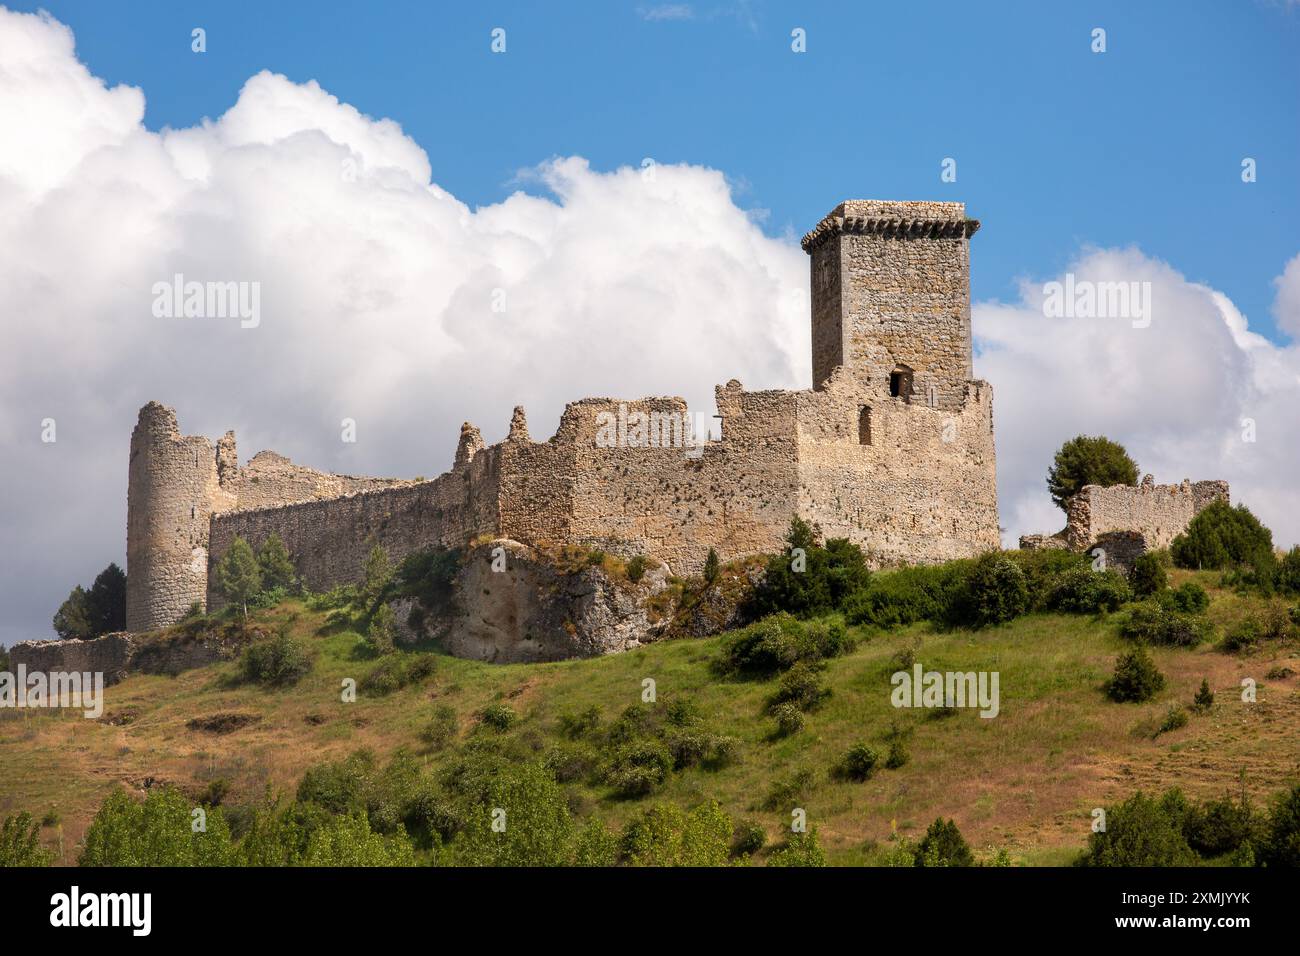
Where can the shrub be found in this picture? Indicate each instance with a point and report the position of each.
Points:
(1189, 598)
(575, 726)
(902, 597)
(1204, 698)
(1089, 460)
(995, 591)
(1175, 719)
(594, 845)
(538, 827)
(809, 579)
(778, 642)
(349, 841)
(801, 686)
(785, 793)
(339, 786)
(441, 728)
(749, 838)
(636, 567)
(1135, 678)
(700, 748)
(427, 576)
(801, 849)
(1043, 568)
(1149, 576)
(943, 845)
(570, 762)
(1244, 636)
(1288, 572)
(1221, 536)
(20, 842)
(858, 764)
(1219, 826)
(665, 835)
(280, 661)
(1153, 623)
(155, 832)
(498, 716)
(380, 631)
(637, 768)
(898, 755)
(1280, 840)
(396, 671)
(789, 719)
(1085, 591)
(1141, 832)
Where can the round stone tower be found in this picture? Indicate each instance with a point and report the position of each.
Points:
(172, 490)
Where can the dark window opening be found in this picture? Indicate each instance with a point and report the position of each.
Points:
(864, 425)
(900, 383)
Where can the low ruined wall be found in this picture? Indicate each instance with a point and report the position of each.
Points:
(109, 655)
(1158, 512)
(329, 540)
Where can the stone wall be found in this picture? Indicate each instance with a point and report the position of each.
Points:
(1158, 512)
(909, 474)
(109, 655)
(1155, 513)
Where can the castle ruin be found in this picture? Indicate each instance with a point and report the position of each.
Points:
(891, 447)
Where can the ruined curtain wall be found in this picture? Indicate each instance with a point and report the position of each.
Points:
(1158, 512)
(329, 540)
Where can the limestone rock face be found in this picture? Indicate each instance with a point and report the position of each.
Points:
(512, 604)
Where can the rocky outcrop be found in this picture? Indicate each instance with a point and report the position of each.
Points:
(513, 604)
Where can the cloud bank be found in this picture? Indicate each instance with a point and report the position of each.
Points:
(386, 300)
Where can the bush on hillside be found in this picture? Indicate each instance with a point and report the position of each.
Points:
(778, 642)
(1152, 622)
(809, 578)
(280, 661)
(1142, 831)
(1149, 575)
(1189, 598)
(858, 763)
(155, 832)
(20, 842)
(801, 849)
(1135, 679)
(1222, 536)
(994, 592)
(1280, 834)
(943, 845)
(1085, 591)
(907, 595)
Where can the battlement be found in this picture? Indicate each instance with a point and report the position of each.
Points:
(891, 448)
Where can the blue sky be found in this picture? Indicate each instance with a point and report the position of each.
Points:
(1057, 148)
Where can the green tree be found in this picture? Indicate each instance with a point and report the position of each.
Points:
(810, 579)
(158, 831)
(1141, 831)
(107, 601)
(1136, 677)
(20, 842)
(349, 841)
(376, 574)
(943, 845)
(712, 567)
(1088, 460)
(275, 564)
(802, 849)
(380, 632)
(1221, 536)
(523, 821)
(238, 576)
(666, 835)
(1149, 575)
(72, 619)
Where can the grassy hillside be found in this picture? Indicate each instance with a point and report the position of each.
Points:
(1025, 781)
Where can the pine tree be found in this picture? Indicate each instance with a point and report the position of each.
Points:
(1204, 698)
(712, 567)
(238, 576)
(376, 575)
(72, 619)
(107, 601)
(275, 564)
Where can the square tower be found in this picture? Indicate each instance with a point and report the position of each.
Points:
(891, 299)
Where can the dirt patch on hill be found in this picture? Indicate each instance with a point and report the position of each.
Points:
(226, 723)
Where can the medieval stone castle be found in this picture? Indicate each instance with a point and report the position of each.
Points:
(892, 447)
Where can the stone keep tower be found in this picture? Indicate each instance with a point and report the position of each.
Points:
(891, 298)
(172, 490)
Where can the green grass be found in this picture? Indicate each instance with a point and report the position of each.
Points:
(1025, 780)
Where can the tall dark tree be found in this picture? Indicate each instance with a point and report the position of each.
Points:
(107, 598)
(1089, 460)
(72, 619)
